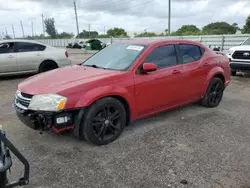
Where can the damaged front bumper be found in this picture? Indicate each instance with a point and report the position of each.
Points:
(56, 121)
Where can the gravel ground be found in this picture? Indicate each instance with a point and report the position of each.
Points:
(188, 147)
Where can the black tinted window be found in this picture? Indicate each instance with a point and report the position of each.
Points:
(190, 53)
(29, 47)
(6, 48)
(164, 56)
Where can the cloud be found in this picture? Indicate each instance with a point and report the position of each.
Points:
(133, 15)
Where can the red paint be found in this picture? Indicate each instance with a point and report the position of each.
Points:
(146, 94)
(149, 67)
(57, 131)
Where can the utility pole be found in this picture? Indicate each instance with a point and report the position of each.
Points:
(43, 25)
(32, 29)
(89, 30)
(6, 32)
(22, 27)
(169, 16)
(77, 26)
(14, 36)
(104, 30)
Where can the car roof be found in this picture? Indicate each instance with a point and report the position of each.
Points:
(22, 40)
(155, 41)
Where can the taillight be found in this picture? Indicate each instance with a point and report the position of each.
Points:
(66, 54)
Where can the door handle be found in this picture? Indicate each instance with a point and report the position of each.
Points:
(176, 72)
(11, 56)
(38, 54)
(205, 64)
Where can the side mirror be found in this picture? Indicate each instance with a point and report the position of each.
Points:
(149, 67)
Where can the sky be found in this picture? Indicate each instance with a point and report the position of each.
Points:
(132, 15)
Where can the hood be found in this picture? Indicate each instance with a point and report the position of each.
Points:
(243, 47)
(62, 79)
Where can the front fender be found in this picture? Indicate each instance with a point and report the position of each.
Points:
(94, 94)
(214, 71)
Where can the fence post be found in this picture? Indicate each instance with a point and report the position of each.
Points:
(200, 39)
(222, 42)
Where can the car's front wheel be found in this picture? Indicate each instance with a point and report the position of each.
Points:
(104, 121)
(214, 93)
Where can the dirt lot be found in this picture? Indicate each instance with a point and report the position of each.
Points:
(204, 147)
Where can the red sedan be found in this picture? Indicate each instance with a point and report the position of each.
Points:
(123, 82)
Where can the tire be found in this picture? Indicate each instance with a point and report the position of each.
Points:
(47, 66)
(109, 116)
(233, 73)
(214, 93)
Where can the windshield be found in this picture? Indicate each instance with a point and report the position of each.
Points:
(115, 57)
(247, 42)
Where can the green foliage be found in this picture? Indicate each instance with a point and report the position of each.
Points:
(146, 34)
(103, 36)
(188, 30)
(87, 34)
(50, 27)
(117, 32)
(219, 28)
(65, 35)
(246, 28)
(37, 37)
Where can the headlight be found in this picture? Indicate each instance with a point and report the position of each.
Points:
(47, 102)
(230, 52)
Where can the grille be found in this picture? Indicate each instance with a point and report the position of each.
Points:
(241, 55)
(22, 100)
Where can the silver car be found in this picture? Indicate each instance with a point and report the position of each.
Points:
(27, 56)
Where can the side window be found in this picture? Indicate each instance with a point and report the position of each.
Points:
(190, 53)
(30, 47)
(163, 56)
(6, 48)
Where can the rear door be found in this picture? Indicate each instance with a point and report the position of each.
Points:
(29, 55)
(8, 58)
(194, 70)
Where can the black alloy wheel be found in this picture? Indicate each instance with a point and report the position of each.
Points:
(214, 93)
(104, 121)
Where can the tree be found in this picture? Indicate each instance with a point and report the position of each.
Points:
(7, 37)
(219, 28)
(65, 35)
(246, 28)
(146, 34)
(117, 32)
(188, 30)
(88, 34)
(50, 27)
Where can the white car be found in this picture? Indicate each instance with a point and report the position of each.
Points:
(239, 57)
(27, 56)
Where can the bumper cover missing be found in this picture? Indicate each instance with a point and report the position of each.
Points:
(56, 121)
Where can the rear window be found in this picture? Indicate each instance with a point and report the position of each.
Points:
(30, 47)
(190, 53)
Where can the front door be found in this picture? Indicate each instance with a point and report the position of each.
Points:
(159, 89)
(7, 58)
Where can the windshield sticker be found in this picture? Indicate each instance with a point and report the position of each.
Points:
(133, 47)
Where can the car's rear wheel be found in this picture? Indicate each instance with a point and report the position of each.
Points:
(233, 73)
(214, 93)
(47, 66)
(104, 121)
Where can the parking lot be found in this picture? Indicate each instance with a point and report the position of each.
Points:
(191, 146)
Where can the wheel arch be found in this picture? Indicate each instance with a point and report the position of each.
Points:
(215, 72)
(50, 60)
